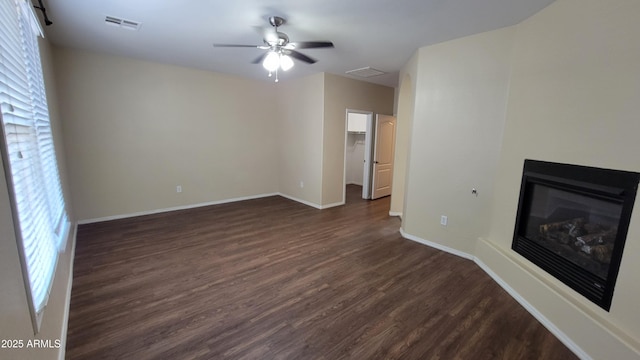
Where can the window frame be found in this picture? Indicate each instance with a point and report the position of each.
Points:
(45, 215)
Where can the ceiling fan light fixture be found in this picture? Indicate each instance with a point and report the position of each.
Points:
(286, 62)
(272, 61)
(280, 52)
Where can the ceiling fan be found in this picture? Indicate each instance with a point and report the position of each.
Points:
(280, 50)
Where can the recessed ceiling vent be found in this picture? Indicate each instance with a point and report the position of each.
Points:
(122, 23)
(365, 72)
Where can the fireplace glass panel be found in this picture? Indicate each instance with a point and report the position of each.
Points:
(582, 229)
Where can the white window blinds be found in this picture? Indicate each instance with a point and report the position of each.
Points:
(28, 154)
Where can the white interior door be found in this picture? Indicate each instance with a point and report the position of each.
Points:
(367, 170)
(385, 138)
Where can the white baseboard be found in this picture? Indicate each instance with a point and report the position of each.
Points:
(218, 202)
(436, 245)
(395, 213)
(308, 203)
(533, 311)
(67, 305)
(513, 293)
(332, 205)
(184, 207)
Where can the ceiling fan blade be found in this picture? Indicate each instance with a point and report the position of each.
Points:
(312, 44)
(300, 56)
(237, 46)
(260, 58)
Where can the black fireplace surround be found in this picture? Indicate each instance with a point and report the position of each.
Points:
(572, 222)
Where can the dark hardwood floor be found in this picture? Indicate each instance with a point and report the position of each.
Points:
(274, 279)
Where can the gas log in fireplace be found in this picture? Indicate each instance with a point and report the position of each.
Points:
(572, 222)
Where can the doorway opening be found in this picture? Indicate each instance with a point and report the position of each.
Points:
(368, 159)
(358, 152)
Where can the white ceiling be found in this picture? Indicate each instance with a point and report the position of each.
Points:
(382, 34)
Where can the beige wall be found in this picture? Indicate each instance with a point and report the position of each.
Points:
(561, 86)
(240, 137)
(405, 104)
(459, 112)
(340, 94)
(15, 321)
(134, 130)
(300, 113)
(573, 99)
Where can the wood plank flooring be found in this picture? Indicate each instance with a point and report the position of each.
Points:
(274, 279)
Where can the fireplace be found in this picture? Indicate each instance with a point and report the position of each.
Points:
(572, 222)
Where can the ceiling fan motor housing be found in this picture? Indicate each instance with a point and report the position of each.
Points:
(283, 39)
(276, 21)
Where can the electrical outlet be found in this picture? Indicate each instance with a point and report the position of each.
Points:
(301, 184)
(179, 188)
(443, 220)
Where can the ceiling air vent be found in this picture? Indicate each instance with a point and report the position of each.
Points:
(365, 72)
(122, 23)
